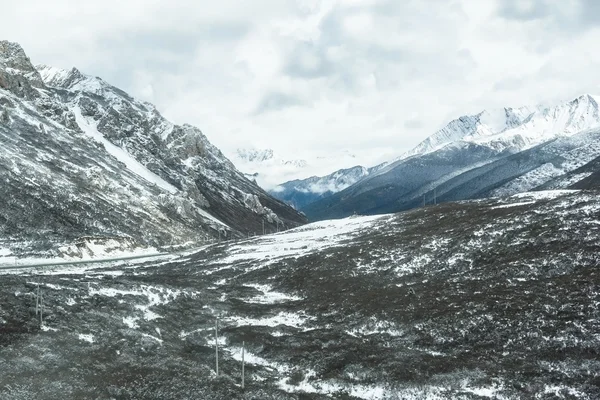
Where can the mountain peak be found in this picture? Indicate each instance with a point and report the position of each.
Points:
(255, 155)
(17, 70)
(515, 128)
(72, 79)
(586, 99)
(12, 55)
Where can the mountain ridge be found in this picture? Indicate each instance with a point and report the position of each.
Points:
(120, 155)
(501, 133)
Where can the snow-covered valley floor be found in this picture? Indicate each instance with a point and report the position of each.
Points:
(486, 299)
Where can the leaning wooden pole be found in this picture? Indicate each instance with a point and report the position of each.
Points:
(37, 300)
(217, 346)
(41, 309)
(243, 350)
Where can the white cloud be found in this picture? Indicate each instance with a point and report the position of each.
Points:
(310, 76)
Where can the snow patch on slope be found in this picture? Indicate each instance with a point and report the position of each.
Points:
(132, 164)
(300, 241)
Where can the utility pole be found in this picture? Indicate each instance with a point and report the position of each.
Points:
(243, 350)
(42, 309)
(263, 222)
(435, 196)
(423, 200)
(37, 300)
(217, 346)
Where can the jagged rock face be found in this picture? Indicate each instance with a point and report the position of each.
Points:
(13, 57)
(17, 74)
(84, 158)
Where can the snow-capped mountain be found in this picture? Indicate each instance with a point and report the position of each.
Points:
(301, 192)
(515, 129)
(80, 157)
(270, 168)
(265, 166)
(265, 155)
(493, 153)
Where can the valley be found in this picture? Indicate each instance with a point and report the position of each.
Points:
(465, 268)
(492, 298)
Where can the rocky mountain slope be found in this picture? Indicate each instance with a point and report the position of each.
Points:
(488, 154)
(494, 298)
(80, 157)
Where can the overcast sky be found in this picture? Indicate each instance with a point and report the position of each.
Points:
(373, 77)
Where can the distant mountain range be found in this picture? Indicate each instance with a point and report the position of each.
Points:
(269, 168)
(493, 153)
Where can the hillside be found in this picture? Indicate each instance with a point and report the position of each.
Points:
(469, 300)
(81, 158)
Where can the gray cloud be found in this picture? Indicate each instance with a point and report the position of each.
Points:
(308, 60)
(276, 101)
(524, 11)
(573, 16)
(413, 123)
(590, 12)
(309, 69)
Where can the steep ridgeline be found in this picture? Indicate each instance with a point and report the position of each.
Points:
(80, 157)
(489, 154)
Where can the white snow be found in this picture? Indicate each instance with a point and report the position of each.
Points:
(154, 295)
(253, 359)
(362, 391)
(304, 240)
(205, 214)
(131, 163)
(513, 205)
(375, 327)
(515, 128)
(294, 320)
(52, 75)
(59, 266)
(544, 194)
(183, 334)
(159, 340)
(269, 296)
(131, 322)
(86, 337)
(148, 315)
(46, 328)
